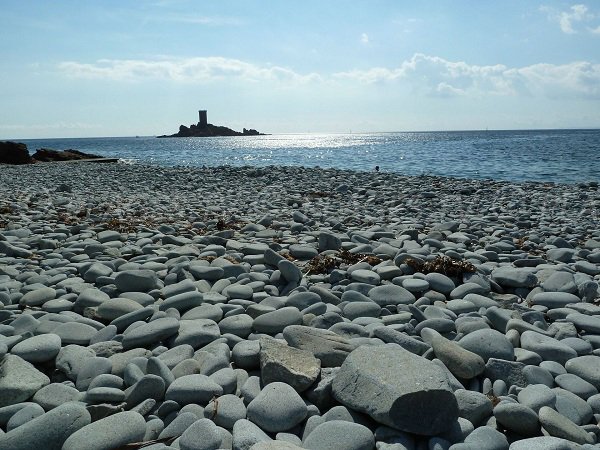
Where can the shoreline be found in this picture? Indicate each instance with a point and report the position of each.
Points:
(126, 287)
(558, 156)
(384, 174)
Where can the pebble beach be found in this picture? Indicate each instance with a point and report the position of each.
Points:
(279, 307)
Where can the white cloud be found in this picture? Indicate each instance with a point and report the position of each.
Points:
(200, 69)
(425, 74)
(595, 30)
(51, 126)
(570, 19)
(198, 20)
(364, 38)
(576, 14)
(437, 76)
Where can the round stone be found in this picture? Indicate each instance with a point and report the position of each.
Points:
(537, 395)
(391, 294)
(226, 410)
(151, 333)
(576, 385)
(196, 332)
(278, 407)
(137, 281)
(415, 285)
(586, 367)
(194, 388)
(75, 333)
(111, 432)
(340, 434)
(241, 291)
(354, 310)
(517, 418)
(245, 355)
(440, 283)
(201, 435)
(238, 325)
(559, 426)
(48, 431)
(488, 344)
(38, 297)
(204, 311)
(54, 395)
(365, 276)
(275, 321)
(117, 307)
(37, 349)
(303, 252)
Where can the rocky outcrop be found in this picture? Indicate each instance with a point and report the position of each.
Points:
(48, 155)
(210, 130)
(14, 153)
(17, 153)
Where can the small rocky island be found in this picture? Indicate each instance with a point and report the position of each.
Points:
(205, 129)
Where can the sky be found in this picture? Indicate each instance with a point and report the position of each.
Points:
(72, 68)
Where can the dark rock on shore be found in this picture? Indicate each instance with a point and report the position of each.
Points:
(48, 155)
(17, 153)
(210, 130)
(14, 153)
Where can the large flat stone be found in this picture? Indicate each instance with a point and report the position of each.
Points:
(19, 380)
(397, 388)
(331, 348)
(280, 362)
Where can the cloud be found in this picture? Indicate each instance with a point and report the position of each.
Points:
(198, 20)
(569, 19)
(595, 30)
(50, 126)
(437, 76)
(191, 70)
(364, 38)
(424, 74)
(576, 14)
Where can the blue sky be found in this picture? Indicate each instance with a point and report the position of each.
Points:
(121, 68)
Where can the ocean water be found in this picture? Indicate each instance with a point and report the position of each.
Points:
(563, 156)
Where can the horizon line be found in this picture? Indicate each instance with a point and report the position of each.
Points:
(304, 133)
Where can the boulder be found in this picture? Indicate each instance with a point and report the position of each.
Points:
(14, 153)
(49, 155)
(326, 345)
(397, 388)
(280, 362)
(19, 380)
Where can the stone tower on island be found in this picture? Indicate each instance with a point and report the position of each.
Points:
(203, 118)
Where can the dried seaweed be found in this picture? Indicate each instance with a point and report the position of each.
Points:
(354, 258)
(211, 258)
(495, 400)
(231, 225)
(288, 257)
(123, 225)
(322, 264)
(317, 194)
(442, 264)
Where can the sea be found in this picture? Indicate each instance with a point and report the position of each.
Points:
(560, 156)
